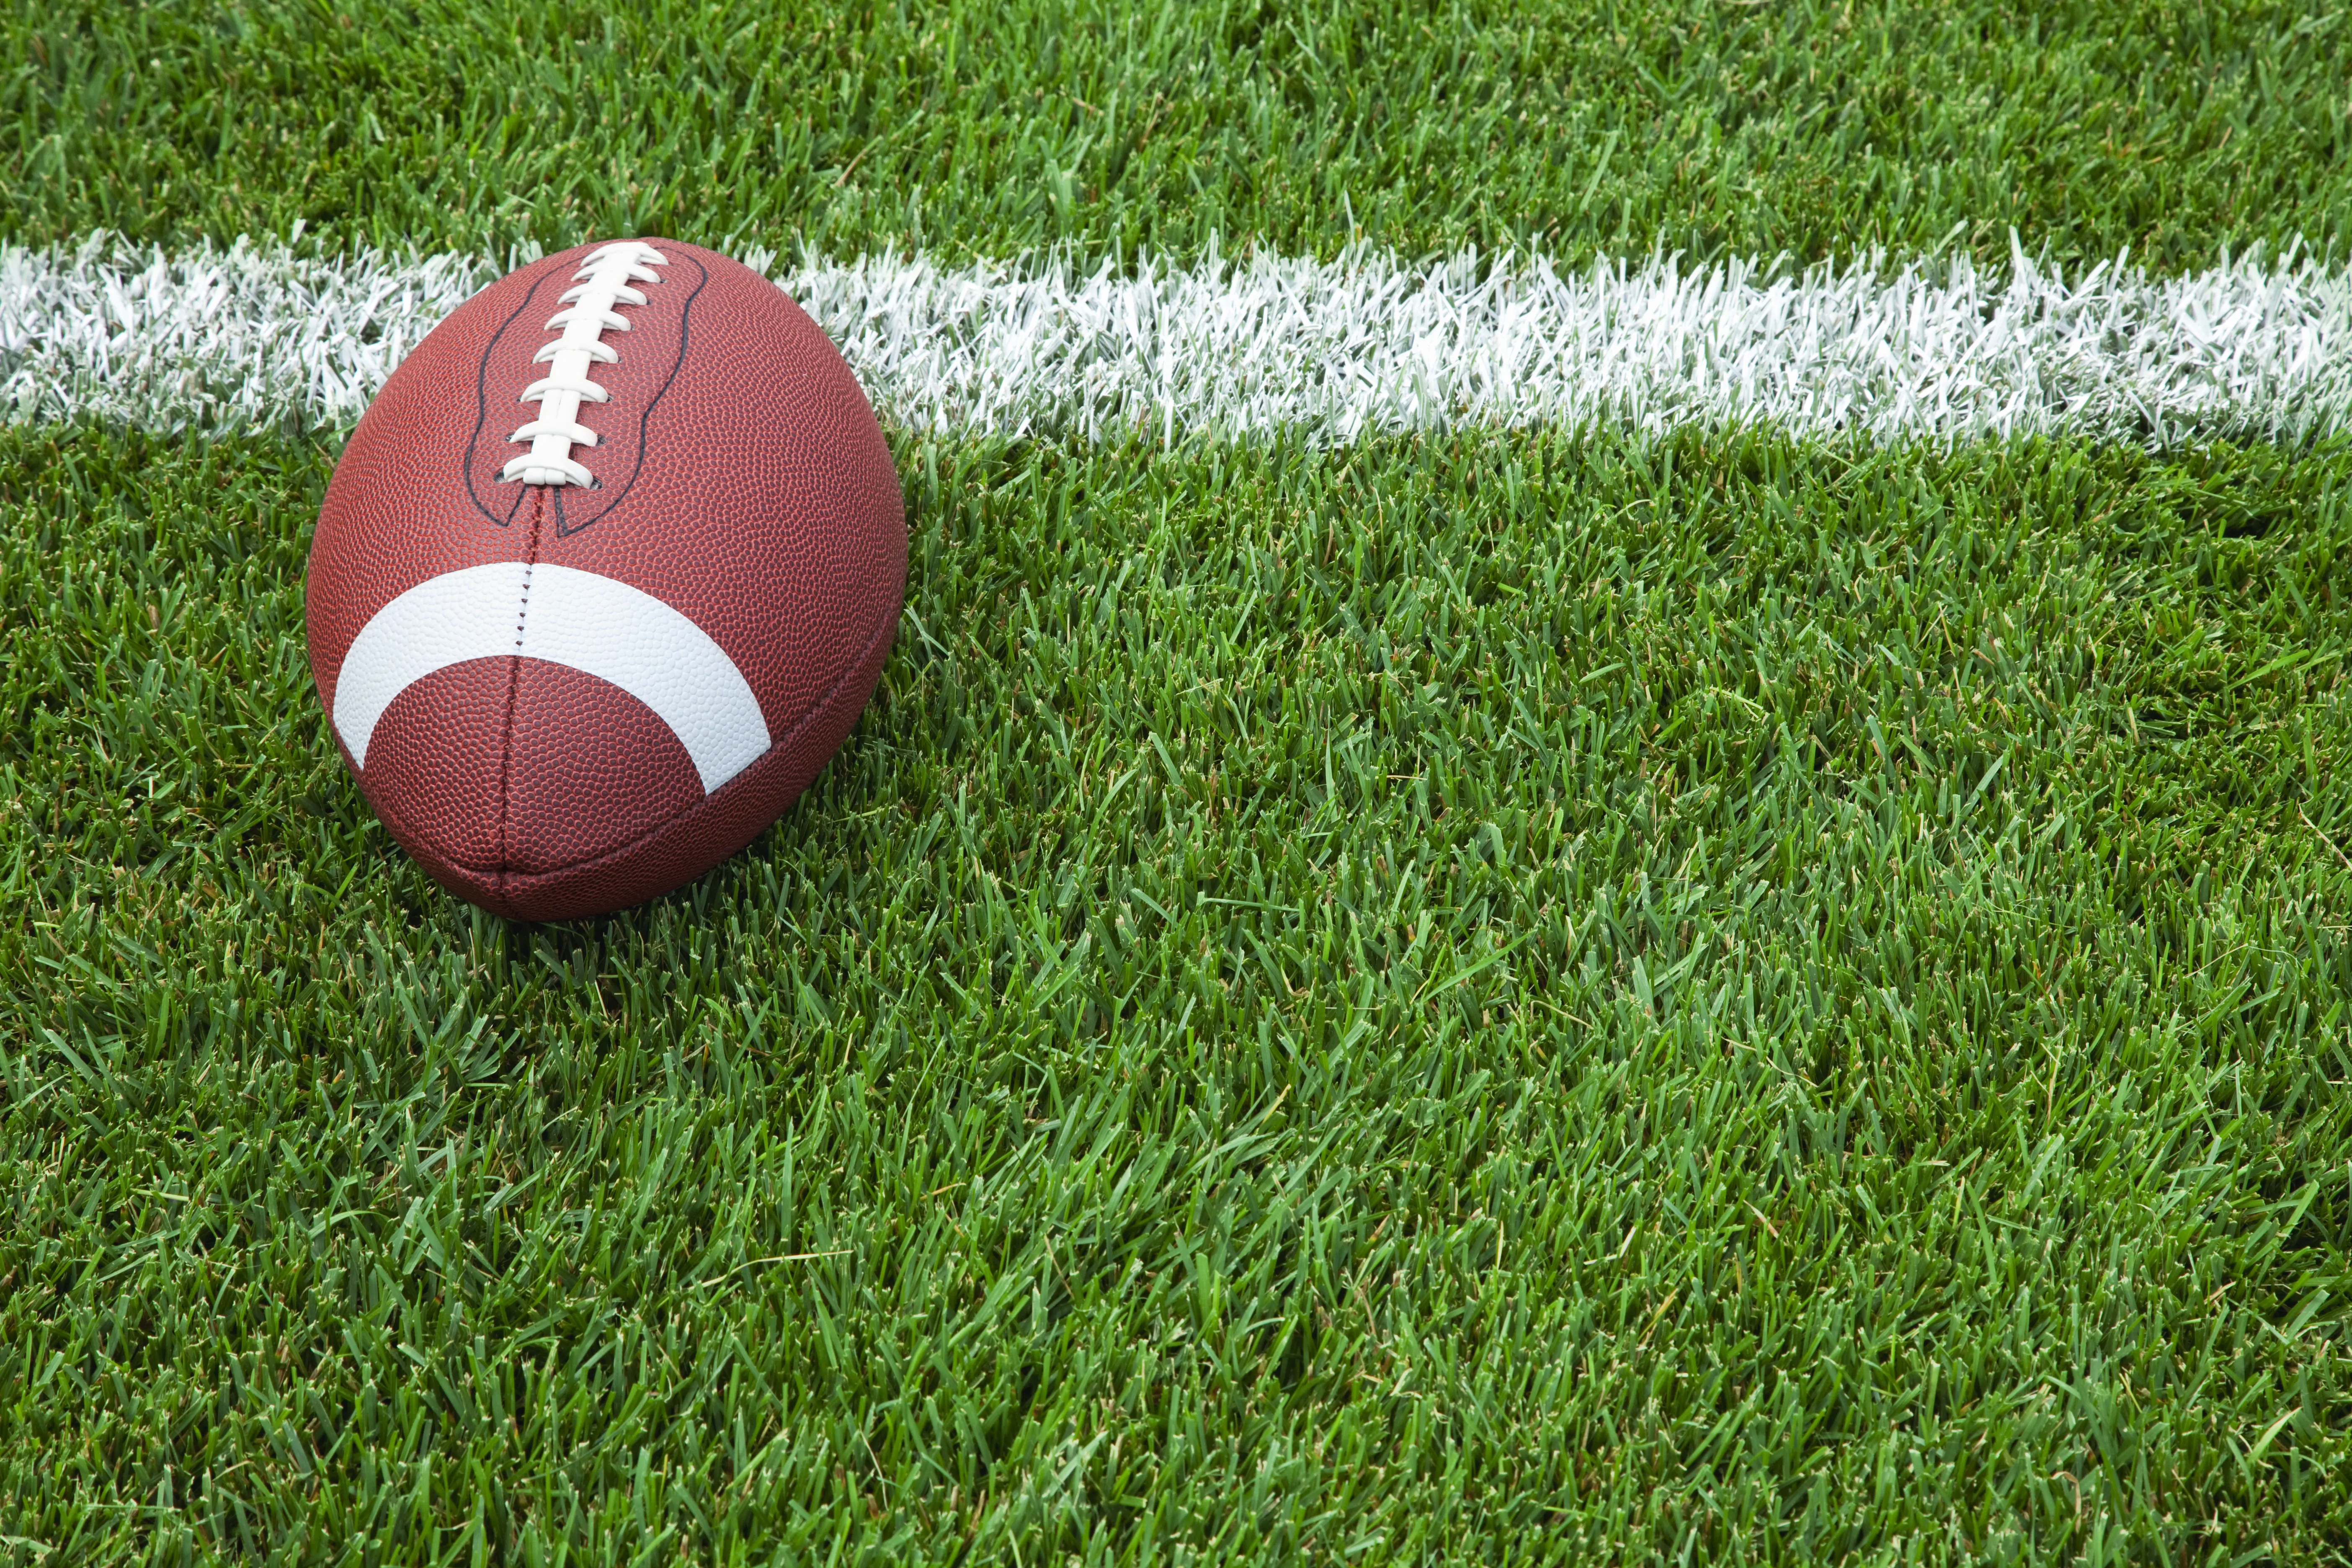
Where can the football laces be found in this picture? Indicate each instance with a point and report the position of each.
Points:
(607, 280)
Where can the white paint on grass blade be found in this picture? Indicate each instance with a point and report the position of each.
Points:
(1366, 345)
(1332, 351)
(212, 338)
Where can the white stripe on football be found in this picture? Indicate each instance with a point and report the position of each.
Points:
(562, 616)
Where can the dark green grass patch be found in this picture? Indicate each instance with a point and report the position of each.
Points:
(1817, 127)
(1537, 997)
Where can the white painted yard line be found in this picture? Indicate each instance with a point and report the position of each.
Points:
(1335, 351)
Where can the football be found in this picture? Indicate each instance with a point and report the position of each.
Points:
(606, 572)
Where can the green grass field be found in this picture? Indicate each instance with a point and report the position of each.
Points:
(1537, 995)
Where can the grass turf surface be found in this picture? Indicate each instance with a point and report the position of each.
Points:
(1818, 127)
(1497, 997)
(1532, 994)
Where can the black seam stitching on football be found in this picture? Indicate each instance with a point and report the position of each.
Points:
(514, 694)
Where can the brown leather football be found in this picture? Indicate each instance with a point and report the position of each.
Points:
(607, 572)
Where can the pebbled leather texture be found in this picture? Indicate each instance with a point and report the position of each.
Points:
(742, 482)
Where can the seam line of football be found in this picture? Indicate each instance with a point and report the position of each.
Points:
(514, 694)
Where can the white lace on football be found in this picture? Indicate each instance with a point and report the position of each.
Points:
(588, 315)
